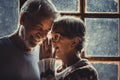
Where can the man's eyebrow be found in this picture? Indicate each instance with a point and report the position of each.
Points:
(40, 25)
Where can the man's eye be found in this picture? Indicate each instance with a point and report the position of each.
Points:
(40, 29)
(46, 30)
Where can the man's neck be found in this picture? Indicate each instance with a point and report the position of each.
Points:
(17, 41)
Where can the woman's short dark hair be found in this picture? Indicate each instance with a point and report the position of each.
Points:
(70, 27)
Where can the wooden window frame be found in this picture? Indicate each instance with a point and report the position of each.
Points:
(84, 15)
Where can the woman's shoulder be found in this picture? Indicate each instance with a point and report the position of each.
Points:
(83, 72)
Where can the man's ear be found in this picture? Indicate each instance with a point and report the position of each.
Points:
(23, 17)
(75, 41)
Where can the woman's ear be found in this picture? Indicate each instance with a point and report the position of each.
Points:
(75, 41)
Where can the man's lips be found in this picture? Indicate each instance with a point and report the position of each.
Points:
(35, 41)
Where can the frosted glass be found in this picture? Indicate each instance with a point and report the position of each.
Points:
(8, 16)
(106, 71)
(66, 5)
(102, 6)
(101, 37)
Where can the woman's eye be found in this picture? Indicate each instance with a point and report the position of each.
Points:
(56, 37)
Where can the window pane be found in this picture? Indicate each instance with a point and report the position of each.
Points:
(66, 5)
(8, 16)
(101, 37)
(106, 71)
(102, 5)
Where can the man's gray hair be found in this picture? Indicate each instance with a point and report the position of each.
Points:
(42, 8)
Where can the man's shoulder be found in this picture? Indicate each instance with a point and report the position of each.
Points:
(3, 41)
(3, 38)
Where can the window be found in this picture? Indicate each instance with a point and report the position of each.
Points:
(102, 19)
(8, 23)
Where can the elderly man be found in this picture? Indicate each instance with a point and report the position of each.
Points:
(19, 52)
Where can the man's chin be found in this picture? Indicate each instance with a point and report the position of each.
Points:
(31, 45)
(34, 44)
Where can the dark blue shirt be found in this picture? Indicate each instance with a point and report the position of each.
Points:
(17, 65)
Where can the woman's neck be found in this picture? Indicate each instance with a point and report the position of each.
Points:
(71, 59)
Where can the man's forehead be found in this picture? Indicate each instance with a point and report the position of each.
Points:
(47, 24)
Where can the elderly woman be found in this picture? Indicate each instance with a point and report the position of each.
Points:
(68, 37)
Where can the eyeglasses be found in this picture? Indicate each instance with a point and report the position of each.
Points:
(56, 37)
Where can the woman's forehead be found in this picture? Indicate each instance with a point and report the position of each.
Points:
(58, 30)
(55, 33)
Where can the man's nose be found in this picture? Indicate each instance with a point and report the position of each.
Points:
(40, 35)
(37, 35)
